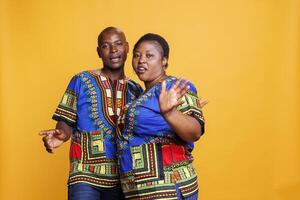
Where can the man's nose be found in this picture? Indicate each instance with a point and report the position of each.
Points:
(113, 48)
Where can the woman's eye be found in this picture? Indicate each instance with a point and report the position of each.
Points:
(136, 55)
(149, 55)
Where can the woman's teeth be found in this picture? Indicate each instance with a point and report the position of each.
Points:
(141, 69)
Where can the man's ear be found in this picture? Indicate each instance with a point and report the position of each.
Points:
(127, 47)
(98, 51)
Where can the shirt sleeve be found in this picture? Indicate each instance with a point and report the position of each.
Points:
(191, 106)
(66, 110)
(135, 88)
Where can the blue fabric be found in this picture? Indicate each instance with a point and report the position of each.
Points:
(180, 197)
(91, 105)
(85, 122)
(148, 167)
(148, 124)
(88, 91)
(84, 191)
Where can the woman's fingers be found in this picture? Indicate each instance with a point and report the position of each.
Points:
(163, 87)
(201, 102)
(180, 87)
(183, 89)
(177, 83)
(183, 85)
(179, 102)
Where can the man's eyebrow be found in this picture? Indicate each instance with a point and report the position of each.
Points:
(117, 41)
(103, 42)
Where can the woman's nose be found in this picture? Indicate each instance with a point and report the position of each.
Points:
(141, 59)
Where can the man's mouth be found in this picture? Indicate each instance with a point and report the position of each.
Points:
(115, 59)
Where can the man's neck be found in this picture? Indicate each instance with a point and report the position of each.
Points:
(113, 74)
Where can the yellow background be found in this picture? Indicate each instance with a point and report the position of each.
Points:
(243, 55)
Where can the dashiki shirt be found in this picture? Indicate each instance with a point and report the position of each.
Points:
(153, 159)
(91, 105)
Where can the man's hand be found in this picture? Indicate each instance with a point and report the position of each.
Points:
(53, 138)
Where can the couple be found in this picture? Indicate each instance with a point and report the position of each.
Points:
(126, 142)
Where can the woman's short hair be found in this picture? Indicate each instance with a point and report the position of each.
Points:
(156, 38)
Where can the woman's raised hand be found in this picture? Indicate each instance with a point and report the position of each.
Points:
(170, 99)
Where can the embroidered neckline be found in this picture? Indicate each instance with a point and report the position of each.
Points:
(113, 99)
(93, 73)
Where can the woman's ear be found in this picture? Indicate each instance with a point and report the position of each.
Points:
(165, 62)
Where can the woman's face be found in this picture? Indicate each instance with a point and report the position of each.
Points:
(148, 62)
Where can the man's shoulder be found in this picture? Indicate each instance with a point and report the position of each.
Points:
(78, 78)
(133, 83)
(82, 74)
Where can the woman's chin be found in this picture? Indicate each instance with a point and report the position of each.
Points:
(141, 77)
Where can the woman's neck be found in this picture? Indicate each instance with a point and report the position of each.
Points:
(149, 84)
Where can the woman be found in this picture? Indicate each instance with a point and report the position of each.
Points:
(157, 131)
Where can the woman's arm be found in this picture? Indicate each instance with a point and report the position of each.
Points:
(185, 126)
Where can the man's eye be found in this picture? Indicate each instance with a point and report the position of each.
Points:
(136, 55)
(104, 46)
(119, 43)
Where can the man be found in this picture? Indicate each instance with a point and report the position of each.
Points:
(88, 114)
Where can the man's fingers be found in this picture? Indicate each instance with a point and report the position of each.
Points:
(44, 139)
(47, 139)
(47, 132)
(49, 150)
(44, 132)
(48, 145)
(50, 132)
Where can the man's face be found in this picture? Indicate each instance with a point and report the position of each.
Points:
(113, 49)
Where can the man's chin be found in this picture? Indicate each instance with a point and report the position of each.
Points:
(115, 66)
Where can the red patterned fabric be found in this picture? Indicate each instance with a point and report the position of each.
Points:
(75, 151)
(172, 153)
